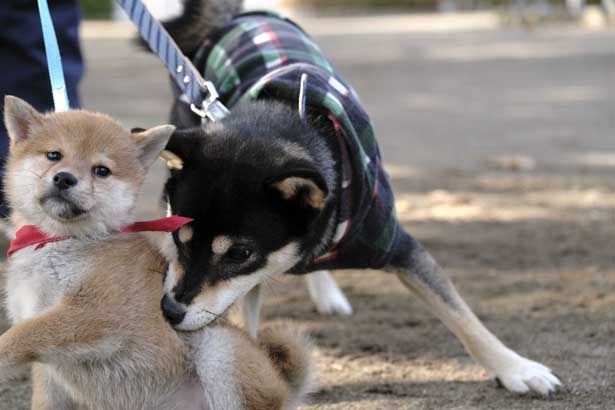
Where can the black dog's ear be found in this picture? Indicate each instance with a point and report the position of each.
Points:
(180, 148)
(302, 186)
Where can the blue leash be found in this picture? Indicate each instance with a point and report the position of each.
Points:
(201, 94)
(54, 61)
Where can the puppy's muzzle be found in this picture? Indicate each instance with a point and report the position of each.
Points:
(172, 311)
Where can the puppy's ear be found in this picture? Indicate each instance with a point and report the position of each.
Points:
(19, 117)
(151, 142)
(301, 187)
(180, 148)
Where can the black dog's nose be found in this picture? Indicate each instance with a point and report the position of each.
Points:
(172, 311)
(64, 180)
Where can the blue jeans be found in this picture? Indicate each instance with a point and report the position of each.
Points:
(23, 66)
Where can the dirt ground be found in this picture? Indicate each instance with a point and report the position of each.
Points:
(532, 259)
(530, 249)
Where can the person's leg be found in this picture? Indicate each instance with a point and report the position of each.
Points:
(24, 65)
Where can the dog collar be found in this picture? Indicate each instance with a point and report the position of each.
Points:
(29, 235)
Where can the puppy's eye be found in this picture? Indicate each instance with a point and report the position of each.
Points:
(238, 254)
(54, 156)
(101, 171)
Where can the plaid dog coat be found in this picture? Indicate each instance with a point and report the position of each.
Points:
(262, 55)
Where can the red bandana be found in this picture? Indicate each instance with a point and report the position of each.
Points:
(29, 235)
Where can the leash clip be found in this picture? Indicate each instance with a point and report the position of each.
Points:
(211, 108)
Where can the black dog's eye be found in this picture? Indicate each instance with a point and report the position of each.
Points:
(54, 156)
(101, 171)
(238, 254)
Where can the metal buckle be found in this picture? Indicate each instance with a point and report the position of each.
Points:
(211, 109)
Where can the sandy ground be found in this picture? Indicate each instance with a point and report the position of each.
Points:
(531, 249)
(546, 286)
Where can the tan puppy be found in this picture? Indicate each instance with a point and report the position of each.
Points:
(87, 308)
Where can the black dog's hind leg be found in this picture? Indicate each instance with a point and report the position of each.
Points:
(421, 274)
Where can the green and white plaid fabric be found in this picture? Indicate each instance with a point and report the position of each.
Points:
(263, 56)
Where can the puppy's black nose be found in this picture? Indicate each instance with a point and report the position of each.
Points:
(64, 180)
(172, 311)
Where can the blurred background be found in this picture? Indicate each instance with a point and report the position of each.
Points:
(595, 13)
(497, 124)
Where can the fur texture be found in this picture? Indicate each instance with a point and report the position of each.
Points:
(86, 310)
(269, 181)
(83, 140)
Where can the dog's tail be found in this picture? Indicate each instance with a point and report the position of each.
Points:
(290, 352)
(198, 19)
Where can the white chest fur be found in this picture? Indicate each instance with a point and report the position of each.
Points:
(36, 278)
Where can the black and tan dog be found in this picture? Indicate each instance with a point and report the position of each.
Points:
(292, 182)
